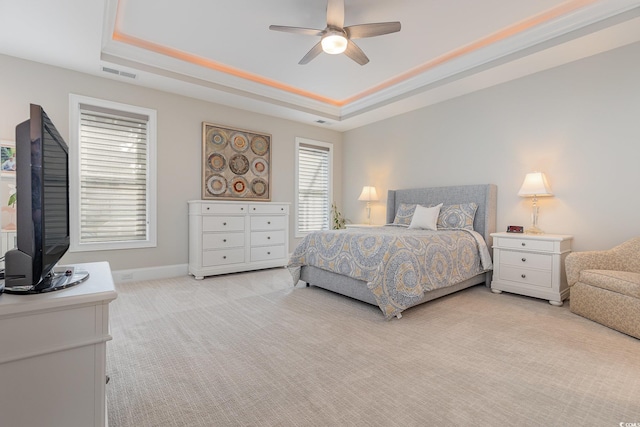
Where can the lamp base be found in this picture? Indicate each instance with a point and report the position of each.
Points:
(533, 230)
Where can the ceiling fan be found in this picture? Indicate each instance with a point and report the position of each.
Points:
(336, 38)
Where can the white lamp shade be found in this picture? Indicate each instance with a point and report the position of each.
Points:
(535, 185)
(368, 194)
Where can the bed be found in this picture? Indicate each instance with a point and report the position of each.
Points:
(411, 271)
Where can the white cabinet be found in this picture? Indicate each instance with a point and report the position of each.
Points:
(531, 265)
(53, 354)
(227, 237)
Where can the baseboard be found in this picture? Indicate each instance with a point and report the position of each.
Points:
(149, 273)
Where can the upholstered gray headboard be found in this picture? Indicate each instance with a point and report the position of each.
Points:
(485, 196)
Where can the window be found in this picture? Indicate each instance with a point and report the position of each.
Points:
(113, 178)
(313, 185)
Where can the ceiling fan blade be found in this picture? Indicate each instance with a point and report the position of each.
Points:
(315, 51)
(355, 53)
(371, 30)
(335, 13)
(296, 30)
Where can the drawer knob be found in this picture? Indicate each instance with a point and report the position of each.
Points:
(224, 257)
(281, 209)
(224, 240)
(268, 222)
(254, 209)
(268, 253)
(224, 223)
(268, 237)
(524, 244)
(241, 209)
(524, 276)
(208, 208)
(524, 260)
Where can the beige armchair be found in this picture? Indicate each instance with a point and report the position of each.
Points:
(605, 286)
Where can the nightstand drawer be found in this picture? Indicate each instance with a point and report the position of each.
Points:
(539, 278)
(223, 223)
(525, 259)
(529, 244)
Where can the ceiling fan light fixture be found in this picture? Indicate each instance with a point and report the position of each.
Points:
(334, 43)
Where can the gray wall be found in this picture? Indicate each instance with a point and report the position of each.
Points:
(579, 123)
(179, 146)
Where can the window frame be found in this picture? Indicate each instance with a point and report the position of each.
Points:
(323, 145)
(75, 102)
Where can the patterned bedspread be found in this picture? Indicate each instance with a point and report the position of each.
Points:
(398, 264)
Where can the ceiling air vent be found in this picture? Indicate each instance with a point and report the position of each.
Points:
(118, 72)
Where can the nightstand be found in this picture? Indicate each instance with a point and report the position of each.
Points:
(531, 264)
(362, 225)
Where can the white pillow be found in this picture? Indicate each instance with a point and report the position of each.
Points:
(425, 218)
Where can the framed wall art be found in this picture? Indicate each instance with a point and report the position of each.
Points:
(236, 164)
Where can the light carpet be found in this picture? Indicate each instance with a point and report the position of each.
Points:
(250, 349)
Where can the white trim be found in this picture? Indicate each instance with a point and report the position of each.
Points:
(327, 145)
(150, 273)
(74, 169)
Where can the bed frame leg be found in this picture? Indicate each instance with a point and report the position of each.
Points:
(399, 315)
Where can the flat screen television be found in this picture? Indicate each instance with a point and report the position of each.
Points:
(42, 190)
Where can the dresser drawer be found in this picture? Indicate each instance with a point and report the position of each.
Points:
(222, 257)
(223, 208)
(539, 278)
(223, 223)
(222, 240)
(534, 245)
(267, 252)
(526, 259)
(262, 238)
(268, 209)
(267, 223)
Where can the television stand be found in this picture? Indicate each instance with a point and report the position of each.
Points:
(53, 354)
(59, 278)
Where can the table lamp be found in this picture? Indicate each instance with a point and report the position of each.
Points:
(535, 185)
(368, 195)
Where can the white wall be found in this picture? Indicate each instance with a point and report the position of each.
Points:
(579, 123)
(179, 146)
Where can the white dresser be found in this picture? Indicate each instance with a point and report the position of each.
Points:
(227, 237)
(53, 354)
(531, 264)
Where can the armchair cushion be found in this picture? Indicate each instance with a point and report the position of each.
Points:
(623, 282)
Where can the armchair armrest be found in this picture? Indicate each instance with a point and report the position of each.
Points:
(590, 260)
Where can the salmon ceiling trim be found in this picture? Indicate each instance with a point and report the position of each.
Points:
(120, 36)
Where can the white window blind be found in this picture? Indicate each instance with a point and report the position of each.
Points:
(115, 197)
(113, 177)
(314, 185)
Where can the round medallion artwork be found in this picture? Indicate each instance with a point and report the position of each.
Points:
(216, 184)
(239, 164)
(259, 187)
(259, 166)
(217, 162)
(239, 142)
(235, 164)
(259, 145)
(238, 186)
(217, 138)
